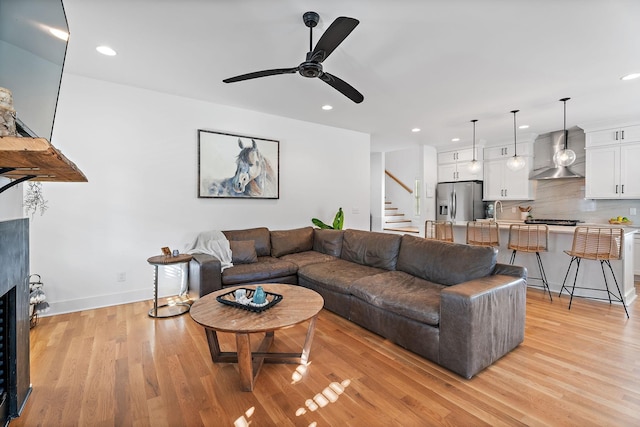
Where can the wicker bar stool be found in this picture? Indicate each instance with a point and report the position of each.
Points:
(530, 239)
(600, 244)
(438, 230)
(483, 233)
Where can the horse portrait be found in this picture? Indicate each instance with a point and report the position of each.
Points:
(254, 176)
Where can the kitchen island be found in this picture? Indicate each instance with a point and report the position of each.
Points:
(556, 261)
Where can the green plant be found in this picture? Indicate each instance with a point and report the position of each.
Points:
(338, 221)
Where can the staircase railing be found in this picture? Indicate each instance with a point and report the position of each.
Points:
(402, 184)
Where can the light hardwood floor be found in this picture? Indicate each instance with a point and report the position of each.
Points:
(117, 367)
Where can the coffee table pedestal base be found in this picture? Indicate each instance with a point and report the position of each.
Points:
(250, 363)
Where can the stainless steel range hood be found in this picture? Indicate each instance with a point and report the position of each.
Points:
(545, 146)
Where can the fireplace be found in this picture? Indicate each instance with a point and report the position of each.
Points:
(15, 384)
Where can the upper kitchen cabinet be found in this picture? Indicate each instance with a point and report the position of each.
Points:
(615, 135)
(500, 182)
(454, 165)
(612, 159)
(507, 150)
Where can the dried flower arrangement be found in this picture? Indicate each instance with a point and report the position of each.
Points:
(34, 199)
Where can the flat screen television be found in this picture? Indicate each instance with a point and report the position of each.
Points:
(31, 61)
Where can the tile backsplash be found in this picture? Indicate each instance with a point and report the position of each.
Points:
(564, 199)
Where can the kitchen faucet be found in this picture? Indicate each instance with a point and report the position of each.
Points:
(495, 209)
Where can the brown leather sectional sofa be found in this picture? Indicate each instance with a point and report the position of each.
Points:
(450, 303)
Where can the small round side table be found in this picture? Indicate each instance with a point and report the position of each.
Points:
(173, 309)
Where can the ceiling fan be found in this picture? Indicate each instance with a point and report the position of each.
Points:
(312, 66)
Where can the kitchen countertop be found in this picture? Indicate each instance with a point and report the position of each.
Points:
(561, 229)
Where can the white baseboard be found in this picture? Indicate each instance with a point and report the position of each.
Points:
(70, 306)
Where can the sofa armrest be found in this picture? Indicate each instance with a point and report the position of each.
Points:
(205, 275)
(481, 321)
(510, 270)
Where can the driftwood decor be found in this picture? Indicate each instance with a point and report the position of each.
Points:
(236, 166)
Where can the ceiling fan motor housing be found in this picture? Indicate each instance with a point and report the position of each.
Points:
(310, 69)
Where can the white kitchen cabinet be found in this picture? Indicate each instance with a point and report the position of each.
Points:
(507, 150)
(454, 165)
(617, 135)
(612, 171)
(501, 183)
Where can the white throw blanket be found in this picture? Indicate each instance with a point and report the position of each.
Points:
(212, 243)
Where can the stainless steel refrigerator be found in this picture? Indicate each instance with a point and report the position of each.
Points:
(459, 201)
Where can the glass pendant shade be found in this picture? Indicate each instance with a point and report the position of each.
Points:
(474, 165)
(516, 162)
(564, 157)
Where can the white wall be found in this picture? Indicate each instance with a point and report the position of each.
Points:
(139, 151)
(10, 201)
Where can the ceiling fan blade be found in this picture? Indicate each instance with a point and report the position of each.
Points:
(343, 87)
(333, 36)
(263, 73)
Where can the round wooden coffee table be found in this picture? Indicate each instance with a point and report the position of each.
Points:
(298, 305)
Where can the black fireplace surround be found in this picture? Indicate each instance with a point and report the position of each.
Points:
(15, 383)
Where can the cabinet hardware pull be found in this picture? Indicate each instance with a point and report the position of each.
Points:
(616, 135)
(616, 188)
(622, 138)
(622, 188)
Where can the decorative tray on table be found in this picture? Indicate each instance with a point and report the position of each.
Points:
(246, 303)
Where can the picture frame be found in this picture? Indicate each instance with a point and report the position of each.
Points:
(237, 166)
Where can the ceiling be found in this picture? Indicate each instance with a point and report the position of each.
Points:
(432, 64)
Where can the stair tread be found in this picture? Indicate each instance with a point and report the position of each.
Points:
(404, 229)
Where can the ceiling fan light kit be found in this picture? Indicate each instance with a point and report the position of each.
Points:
(312, 66)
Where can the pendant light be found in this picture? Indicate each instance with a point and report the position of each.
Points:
(564, 157)
(474, 165)
(516, 162)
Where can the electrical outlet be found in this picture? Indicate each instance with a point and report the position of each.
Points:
(632, 211)
(513, 209)
(122, 277)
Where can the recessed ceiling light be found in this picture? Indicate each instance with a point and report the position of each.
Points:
(106, 50)
(523, 127)
(630, 76)
(455, 139)
(414, 130)
(62, 35)
(327, 107)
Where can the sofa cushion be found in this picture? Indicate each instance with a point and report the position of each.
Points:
(370, 248)
(445, 263)
(308, 257)
(328, 241)
(285, 242)
(402, 294)
(260, 236)
(266, 268)
(243, 251)
(337, 275)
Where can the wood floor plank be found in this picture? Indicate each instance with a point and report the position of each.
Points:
(117, 367)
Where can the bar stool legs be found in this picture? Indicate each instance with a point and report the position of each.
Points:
(610, 294)
(543, 276)
(597, 244)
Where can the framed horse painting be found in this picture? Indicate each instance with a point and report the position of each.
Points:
(236, 166)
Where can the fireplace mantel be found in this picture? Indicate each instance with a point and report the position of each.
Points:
(36, 159)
